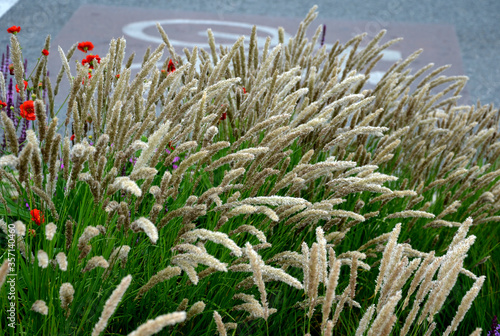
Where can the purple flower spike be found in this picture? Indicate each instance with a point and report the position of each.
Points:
(495, 328)
(175, 166)
(166, 150)
(323, 33)
(176, 159)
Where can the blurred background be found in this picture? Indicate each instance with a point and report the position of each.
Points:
(463, 33)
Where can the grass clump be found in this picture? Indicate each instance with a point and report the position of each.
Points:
(248, 191)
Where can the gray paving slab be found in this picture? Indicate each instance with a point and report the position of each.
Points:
(186, 29)
(475, 24)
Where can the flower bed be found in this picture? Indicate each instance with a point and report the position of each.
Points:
(245, 191)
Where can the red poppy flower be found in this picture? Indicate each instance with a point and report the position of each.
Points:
(85, 46)
(171, 66)
(72, 137)
(11, 68)
(25, 86)
(90, 60)
(118, 76)
(45, 52)
(224, 116)
(244, 90)
(170, 145)
(37, 217)
(2, 104)
(28, 110)
(33, 232)
(14, 30)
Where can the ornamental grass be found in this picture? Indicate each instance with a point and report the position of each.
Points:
(245, 190)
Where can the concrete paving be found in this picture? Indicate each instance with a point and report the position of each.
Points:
(187, 29)
(445, 29)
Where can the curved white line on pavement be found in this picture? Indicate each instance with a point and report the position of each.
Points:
(136, 30)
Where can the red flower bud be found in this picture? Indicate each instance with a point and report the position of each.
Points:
(45, 52)
(72, 137)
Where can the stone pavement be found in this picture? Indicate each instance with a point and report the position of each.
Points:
(448, 31)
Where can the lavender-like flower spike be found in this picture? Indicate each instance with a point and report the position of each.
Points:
(323, 33)
(495, 327)
(22, 137)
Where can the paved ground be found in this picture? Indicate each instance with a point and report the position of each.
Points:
(475, 24)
